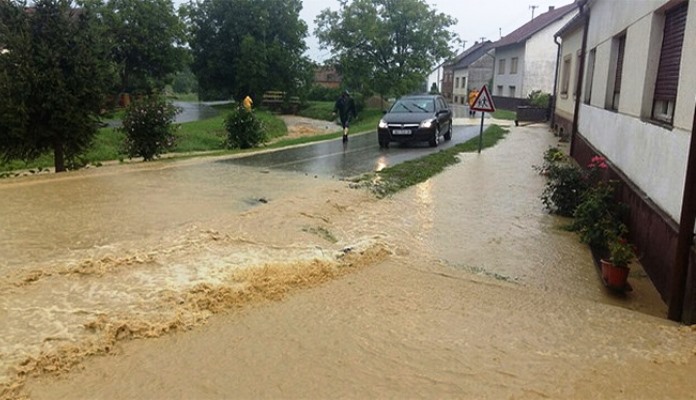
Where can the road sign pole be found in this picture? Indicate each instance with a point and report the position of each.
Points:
(481, 133)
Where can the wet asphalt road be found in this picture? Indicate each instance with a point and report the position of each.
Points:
(342, 160)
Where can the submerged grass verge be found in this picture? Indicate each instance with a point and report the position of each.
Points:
(393, 179)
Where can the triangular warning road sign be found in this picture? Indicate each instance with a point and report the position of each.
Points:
(484, 101)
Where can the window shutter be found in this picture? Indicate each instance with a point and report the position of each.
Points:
(670, 57)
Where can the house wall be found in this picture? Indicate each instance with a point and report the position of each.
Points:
(565, 103)
(648, 157)
(481, 71)
(447, 83)
(507, 79)
(651, 155)
(540, 58)
(435, 77)
(460, 93)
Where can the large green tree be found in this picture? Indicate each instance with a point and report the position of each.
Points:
(385, 46)
(54, 74)
(146, 37)
(246, 47)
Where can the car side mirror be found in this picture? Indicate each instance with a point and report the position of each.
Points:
(384, 111)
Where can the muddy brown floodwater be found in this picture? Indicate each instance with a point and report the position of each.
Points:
(460, 287)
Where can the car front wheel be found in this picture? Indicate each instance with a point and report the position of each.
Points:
(436, 137)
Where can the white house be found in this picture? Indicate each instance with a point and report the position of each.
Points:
(636, 108)
(526, 58)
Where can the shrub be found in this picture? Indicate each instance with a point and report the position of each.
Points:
(565, 183)
(148, 127)
(244, 130)
(539, 99)
(598, 217)
(321, 93)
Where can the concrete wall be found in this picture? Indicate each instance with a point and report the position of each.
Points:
(481, 71)
(572, 42)
(507, 79)
(540, 58)
(460, 93)
(651, 155)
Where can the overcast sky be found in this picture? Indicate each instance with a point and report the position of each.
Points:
(475, 18)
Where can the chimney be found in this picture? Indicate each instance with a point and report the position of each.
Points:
(551, 8)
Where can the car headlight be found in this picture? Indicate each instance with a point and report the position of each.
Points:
(427, 123)
(382, 124)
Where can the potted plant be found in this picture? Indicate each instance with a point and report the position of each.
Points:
(615, 269)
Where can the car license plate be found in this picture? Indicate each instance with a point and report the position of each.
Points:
(401, 132)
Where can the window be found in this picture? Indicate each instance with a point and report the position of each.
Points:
(463, 82)
(456, 99)
(590, 75)
(456, 82)
(668, 69)
(500, 90)
(621, 47)
(565, 77)
(512, 91)
(513, 65)
(501, 67)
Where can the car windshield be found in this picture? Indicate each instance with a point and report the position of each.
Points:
(413, 105)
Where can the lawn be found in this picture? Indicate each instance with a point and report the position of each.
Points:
(393, 179)
(207, 135)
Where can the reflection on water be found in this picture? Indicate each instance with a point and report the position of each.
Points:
(193, 111)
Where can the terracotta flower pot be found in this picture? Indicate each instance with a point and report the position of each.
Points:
(615, 277)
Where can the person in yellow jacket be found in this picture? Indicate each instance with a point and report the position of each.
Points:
(247, 103)
(472, 98)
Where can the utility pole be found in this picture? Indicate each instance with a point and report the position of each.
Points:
(464, 41)
(482, 39)
(533, 8)
(500, 32)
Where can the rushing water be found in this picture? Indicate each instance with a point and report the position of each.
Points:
(459, 287)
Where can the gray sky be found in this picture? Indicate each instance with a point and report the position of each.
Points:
(476, 18)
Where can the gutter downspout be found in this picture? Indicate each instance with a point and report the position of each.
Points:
(581, 73)
(555, 81)
(685, 238)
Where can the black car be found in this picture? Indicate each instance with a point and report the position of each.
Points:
(422, 118)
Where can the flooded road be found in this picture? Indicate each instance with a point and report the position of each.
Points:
(274, 284)
(361, 154)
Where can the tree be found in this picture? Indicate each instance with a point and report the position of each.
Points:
(54, 74)
(146, 36)
(385, 46)
(246, 47)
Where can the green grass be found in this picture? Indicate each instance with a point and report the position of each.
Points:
(206, 135)
(504, 114)
(318, 110)
(275, 127)
(393, 179)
